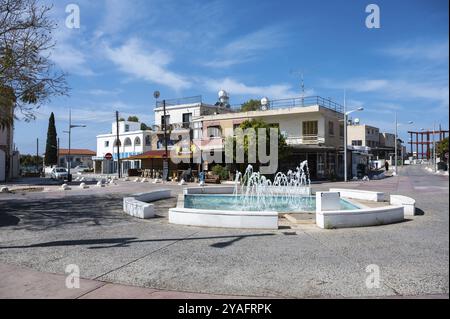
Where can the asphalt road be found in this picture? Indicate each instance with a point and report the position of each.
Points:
(48, 231)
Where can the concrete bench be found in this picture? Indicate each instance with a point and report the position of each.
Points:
(408, 204)
(360, 194)
(138, 206)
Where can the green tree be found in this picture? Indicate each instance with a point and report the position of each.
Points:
(144, 127)
(51, 149)
(442, 148)
(256, 124)
(30, 160)
(251, 105)
(26, 69)
(133, 119)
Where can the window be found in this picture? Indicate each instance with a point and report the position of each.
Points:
(106, 143)
(115, 143)
(187, 118)
(127, 128)
(167, 117)
(331, 128)
(341, 129)
(137, 141)
(357, 143)
(214, 131)
(310, 128)
(127, 141)
(148, 140)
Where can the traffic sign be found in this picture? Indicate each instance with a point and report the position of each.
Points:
(108, 156)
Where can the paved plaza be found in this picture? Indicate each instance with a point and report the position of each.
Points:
(41, 232)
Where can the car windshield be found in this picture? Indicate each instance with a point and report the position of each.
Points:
(60, 170)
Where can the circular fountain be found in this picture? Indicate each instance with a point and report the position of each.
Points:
(254, 201)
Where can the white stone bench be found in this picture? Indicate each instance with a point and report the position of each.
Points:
(138, 206)
(408, 204)
(360, 194)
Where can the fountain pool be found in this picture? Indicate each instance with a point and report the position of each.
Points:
(264, 203)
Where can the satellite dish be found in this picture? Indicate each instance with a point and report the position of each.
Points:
(357, 121)
(156, 94)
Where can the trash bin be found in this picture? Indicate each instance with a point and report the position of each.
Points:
(442, 166)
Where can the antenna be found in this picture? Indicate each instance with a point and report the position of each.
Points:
(301, 74)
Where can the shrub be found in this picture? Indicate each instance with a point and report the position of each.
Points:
(221, 171)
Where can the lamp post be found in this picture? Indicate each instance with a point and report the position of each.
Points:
(346, 114)
(71, 126)
(396, 142)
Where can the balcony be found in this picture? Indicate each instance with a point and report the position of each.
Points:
(305, 140)
(181, 101)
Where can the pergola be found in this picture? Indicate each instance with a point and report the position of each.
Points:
(424, 140)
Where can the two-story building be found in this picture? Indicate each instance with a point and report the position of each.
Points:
(132, 141)
(312, 127)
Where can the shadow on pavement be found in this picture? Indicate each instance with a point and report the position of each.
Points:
(126, 241)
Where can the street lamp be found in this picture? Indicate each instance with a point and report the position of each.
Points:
(71, 126)
(346, 114)
(396, 139)
(434, 146)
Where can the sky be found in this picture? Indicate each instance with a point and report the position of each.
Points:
(124, 50)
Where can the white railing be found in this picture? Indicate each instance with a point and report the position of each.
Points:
(305, 140)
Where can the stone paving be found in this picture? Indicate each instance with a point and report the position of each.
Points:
(46, 231)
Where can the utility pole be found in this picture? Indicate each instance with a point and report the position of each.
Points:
(57, 154)
(396, 142)
(37, 155)
(345, 136)
(118, 145)
(166, 158)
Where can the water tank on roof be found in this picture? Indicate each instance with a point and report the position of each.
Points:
(224, 98)
(265, 104)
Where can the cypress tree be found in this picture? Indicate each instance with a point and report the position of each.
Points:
(51, 149)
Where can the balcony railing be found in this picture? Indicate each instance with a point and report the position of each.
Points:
(305, 140)
(302, 102)
(181, 101)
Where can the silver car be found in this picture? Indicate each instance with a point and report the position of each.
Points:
(59, 173)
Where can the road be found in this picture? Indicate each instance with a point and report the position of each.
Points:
(48, 231)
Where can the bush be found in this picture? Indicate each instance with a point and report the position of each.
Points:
(221, 171)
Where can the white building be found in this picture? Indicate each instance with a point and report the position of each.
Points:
(132, 141)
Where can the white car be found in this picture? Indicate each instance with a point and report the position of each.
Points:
(59, 173)
(79, 169)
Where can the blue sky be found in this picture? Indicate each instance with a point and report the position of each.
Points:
(126, 49)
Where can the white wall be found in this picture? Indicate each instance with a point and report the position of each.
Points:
(176, 112)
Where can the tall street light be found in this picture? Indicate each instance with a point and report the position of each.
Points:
(346, 114)
(396, 142)
(71, 126)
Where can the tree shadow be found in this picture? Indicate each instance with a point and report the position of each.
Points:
(65, 212)
(8, 220)
(127, 241)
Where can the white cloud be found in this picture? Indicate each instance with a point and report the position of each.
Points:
(133, 59)
(234, 87)
(68, 57)
(420, 50)
(248, 47)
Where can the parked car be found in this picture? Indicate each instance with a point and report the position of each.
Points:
(79, 169)
(59, 173)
